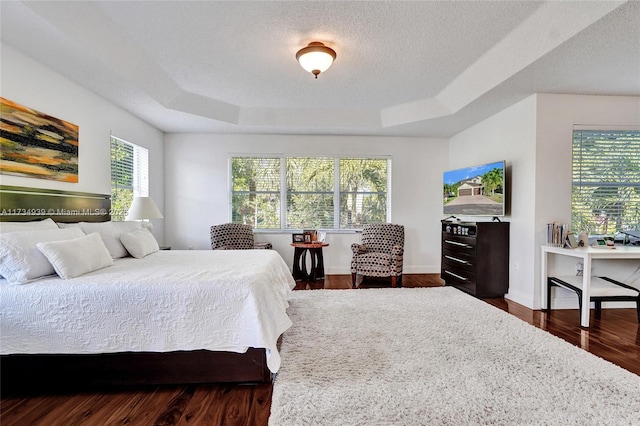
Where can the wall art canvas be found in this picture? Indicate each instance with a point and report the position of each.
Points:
(34, 144)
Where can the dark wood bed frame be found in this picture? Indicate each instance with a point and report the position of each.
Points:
(46, 373)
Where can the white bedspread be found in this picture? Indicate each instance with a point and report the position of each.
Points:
(168, 301)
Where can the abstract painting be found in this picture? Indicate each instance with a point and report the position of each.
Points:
(34, 144)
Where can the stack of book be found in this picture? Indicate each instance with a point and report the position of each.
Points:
(557, 234)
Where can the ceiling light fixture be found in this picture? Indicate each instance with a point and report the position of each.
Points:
(316, 57)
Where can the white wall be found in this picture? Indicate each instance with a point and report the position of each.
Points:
(28, 82)
(534, 136)
(197, 183)
(509, 135)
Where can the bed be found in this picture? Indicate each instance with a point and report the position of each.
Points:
(170, 317)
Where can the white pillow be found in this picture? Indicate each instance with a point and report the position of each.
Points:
(139, 243)
(21, 261)
(72, 258)
(110, 236)
(110, 233)
(27, 226)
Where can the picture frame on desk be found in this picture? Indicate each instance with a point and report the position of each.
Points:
(571, 241)
(310, 235)
(298, 238)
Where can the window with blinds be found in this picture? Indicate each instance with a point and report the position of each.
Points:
(363, 191)
(129, 176)
(255, 191)
(309, 192)
(605, 195)
(310, 183)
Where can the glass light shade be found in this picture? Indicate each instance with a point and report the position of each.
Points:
(143, 208)
(316, 58)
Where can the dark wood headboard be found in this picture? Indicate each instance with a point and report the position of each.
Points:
(21, 204)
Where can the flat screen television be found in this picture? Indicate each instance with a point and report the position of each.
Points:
(475, 191)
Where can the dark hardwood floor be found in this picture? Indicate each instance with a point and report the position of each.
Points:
(615, 337)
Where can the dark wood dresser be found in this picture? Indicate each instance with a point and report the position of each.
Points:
(475, 257)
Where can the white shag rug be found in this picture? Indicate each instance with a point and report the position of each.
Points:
(436, 356)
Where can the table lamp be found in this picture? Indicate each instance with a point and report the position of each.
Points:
(143, 208)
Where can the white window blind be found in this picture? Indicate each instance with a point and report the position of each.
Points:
(129, 176)
(309, 192)
(606, 181)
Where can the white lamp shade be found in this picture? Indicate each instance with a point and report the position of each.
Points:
(320, 61)
(143, 208)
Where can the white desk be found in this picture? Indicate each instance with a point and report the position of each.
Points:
(586, 254)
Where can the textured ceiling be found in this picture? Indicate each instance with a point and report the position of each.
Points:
(427, 68)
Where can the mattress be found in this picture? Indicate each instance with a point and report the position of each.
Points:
(222, 300)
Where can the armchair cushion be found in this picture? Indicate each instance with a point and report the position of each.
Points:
(374, 261)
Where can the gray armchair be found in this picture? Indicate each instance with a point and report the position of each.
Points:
(235, 236)
(380, 254)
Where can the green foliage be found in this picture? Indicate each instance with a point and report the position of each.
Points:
(121, 200)
(492, 182)
(363, 191)
(256, 192)
(309, 193)
(121, 179)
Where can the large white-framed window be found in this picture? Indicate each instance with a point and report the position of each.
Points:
(129, 176)
(309, 192)
(605, 196)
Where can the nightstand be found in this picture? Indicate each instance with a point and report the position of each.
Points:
(300, 261)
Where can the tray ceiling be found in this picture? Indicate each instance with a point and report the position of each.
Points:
(418, 68)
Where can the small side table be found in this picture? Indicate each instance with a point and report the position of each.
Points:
(300, 261)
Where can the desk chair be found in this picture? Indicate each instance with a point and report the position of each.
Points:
(603, 289)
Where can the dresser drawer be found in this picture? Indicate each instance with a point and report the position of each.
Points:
(459, 262)
(462, 245)
(458, 278)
